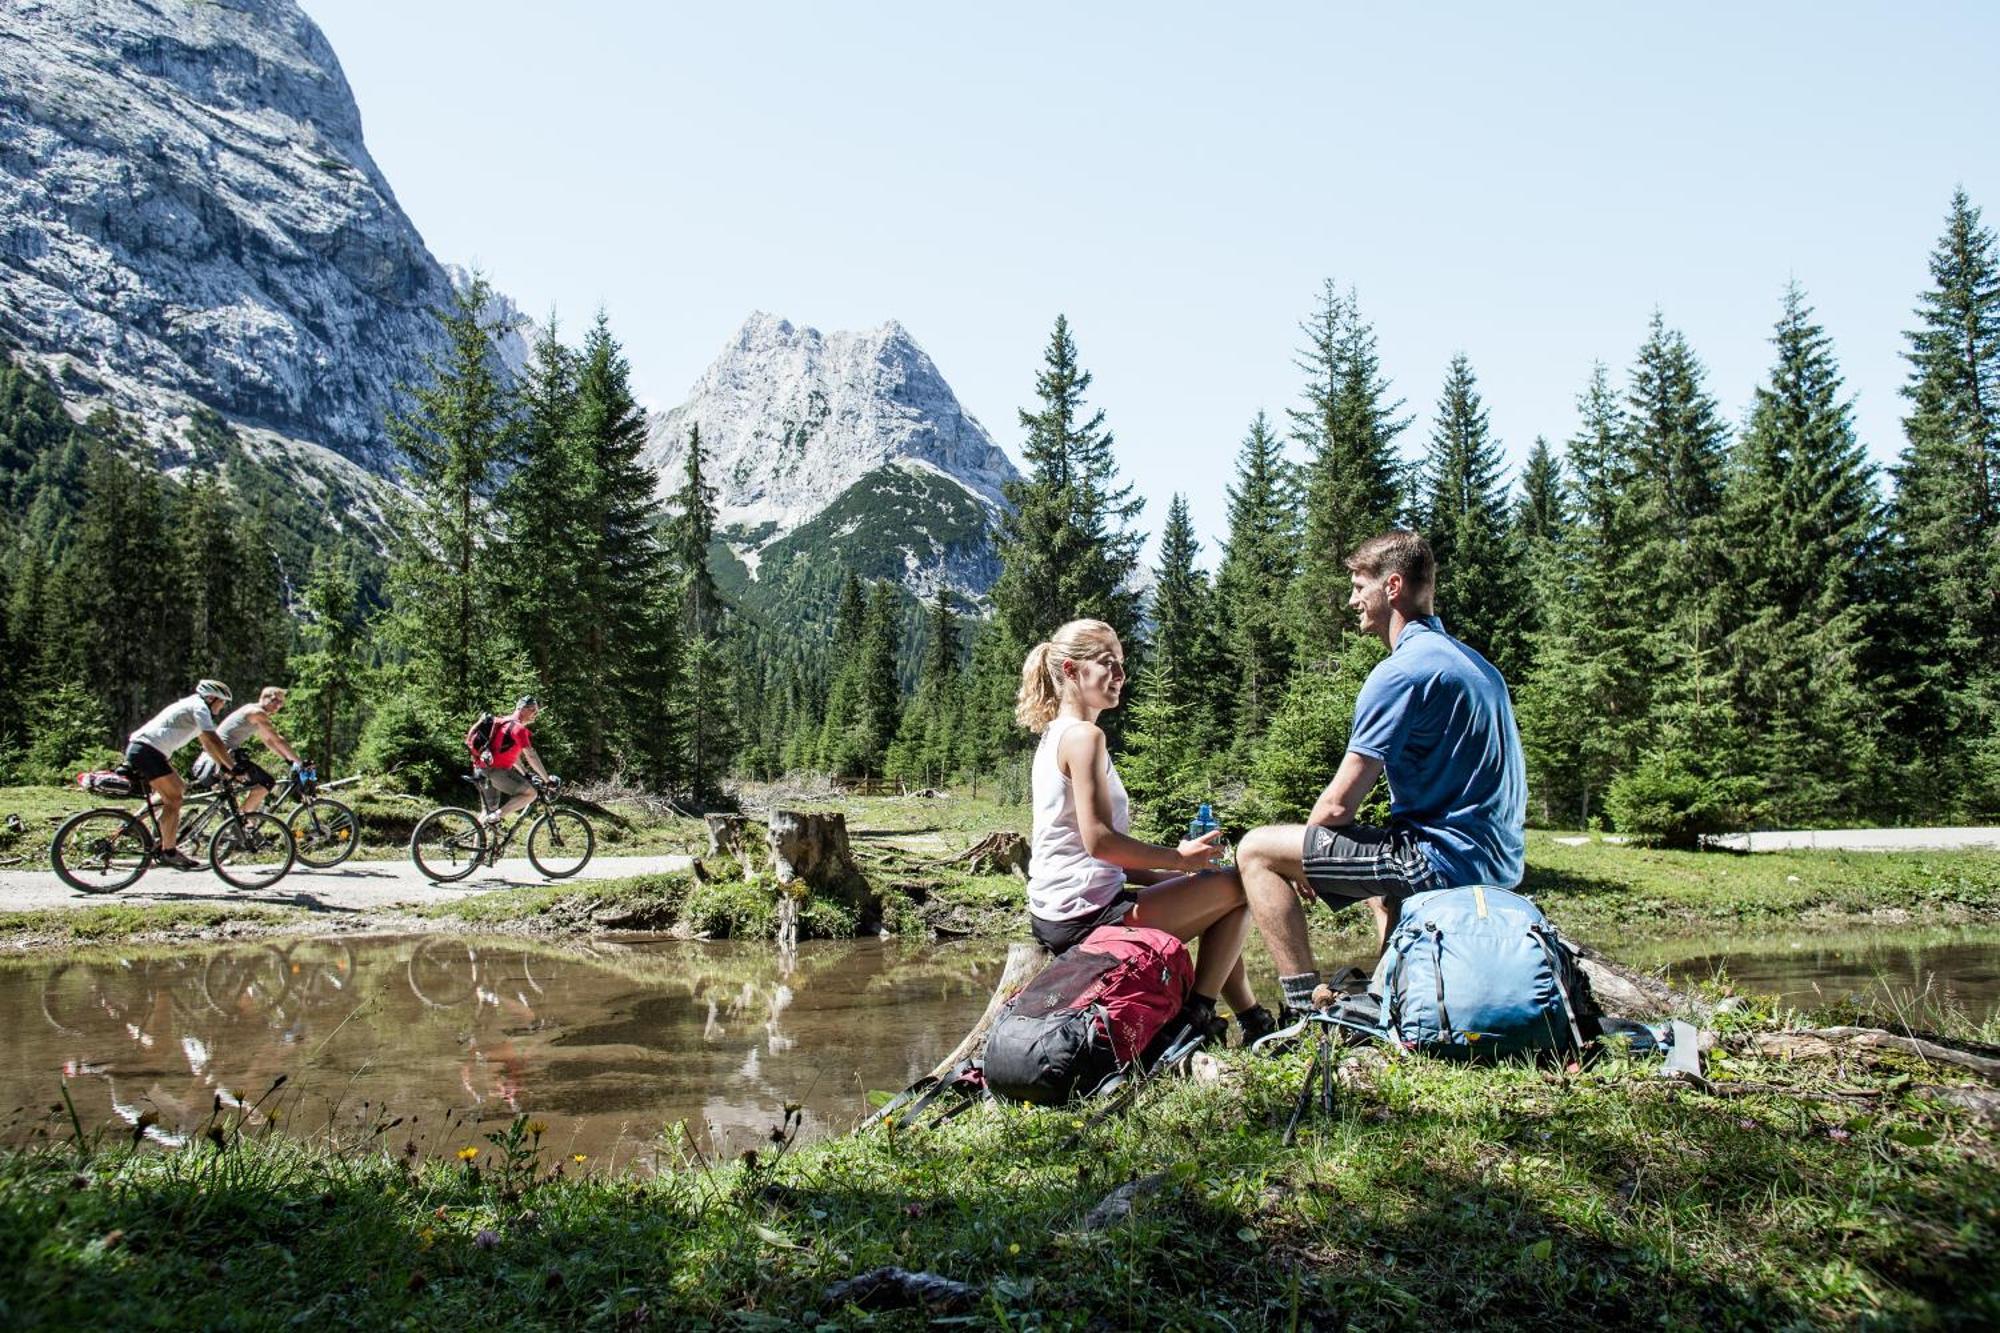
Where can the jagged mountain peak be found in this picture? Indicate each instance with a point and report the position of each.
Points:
(791, 417)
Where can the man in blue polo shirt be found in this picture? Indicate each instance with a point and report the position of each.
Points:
(1435, 717)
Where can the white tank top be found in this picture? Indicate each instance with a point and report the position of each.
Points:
(1064, 880)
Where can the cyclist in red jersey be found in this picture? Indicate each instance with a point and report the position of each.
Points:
(509, 743)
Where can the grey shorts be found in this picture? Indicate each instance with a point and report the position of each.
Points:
(506, 784)
(1357, 861)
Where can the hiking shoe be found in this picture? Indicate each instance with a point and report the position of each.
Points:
(176, 859)
(1256, 1022)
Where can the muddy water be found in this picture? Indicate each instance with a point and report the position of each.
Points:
(1925, 977)
(615, 1045)
(609, 1045)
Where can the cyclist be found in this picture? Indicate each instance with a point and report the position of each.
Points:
(236, 733)
(149, 753)
(507, 743)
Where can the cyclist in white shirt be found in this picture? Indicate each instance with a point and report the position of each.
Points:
(149, 753)
(236, 732)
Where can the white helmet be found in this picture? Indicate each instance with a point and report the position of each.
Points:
(213, 689)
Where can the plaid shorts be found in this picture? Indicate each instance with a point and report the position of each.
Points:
(1357, 861)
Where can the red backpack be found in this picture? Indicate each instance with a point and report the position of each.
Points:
(1088, 1015)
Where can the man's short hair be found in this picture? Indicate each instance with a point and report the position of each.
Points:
(1397, 551)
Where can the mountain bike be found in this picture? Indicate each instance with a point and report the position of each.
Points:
(108, 849)
(325, 831)
(450, 843)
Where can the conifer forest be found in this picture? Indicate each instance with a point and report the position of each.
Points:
(1712, 615)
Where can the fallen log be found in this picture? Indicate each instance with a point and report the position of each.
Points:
(1828, 1043)
(999, 853)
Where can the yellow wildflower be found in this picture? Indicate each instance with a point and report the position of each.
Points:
(579, 1158)
(467, 1153)
(537, 1128)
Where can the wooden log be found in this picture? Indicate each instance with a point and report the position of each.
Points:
(1808, 1043)
(1629, 993)
(725, 838)
(1024, 960)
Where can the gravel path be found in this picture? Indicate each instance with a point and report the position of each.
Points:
(358, 886)
(1865, 840)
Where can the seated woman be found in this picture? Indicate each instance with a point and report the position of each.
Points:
(1081, 856)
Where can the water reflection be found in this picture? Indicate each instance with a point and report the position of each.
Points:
(608, 1043)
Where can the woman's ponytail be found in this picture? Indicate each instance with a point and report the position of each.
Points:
(1037, 703)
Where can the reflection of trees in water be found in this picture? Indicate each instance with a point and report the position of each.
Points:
(620, 1035)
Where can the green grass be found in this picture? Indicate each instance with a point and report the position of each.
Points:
(1614, 891)
(1436, 1196)
(112, 922)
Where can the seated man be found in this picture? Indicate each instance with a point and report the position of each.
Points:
(1435, 716)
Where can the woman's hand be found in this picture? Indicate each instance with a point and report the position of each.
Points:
(1201, 853)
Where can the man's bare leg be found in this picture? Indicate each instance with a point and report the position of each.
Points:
(1269, 859)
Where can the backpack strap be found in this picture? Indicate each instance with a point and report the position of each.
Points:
(1541, 935)
(1444, 1015)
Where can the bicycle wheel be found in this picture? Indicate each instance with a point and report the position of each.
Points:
(447, 844)
(326, 833)
(560, 842)
(252, 851)
(247, 983)
(101, 851)
(443, 973)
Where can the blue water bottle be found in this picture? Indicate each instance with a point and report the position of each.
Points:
(1205, 822)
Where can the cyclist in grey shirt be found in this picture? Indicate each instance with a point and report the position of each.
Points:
(149, 753)
(249, 722)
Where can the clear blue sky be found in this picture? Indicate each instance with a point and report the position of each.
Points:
(1523, 183)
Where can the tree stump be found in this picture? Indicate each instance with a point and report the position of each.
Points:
(996, 854)
(811, 847)
(725, 838)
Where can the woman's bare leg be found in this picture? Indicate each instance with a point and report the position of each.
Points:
(1208, 906)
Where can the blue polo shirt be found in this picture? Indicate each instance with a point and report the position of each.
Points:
(1437, 715)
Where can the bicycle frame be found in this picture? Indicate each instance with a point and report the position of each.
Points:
(527, 815)
(196, 811)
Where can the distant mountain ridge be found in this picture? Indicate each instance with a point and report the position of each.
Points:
(189, 217)
(843, 449)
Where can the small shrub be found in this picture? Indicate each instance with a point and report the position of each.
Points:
(1666, 803)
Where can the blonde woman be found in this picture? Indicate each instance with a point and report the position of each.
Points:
(1082, 859)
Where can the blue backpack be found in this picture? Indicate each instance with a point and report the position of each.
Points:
(1479, 970)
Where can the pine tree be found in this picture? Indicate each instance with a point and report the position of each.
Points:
(460, 430)
(1171, 738)
(540, 504)
(1946, 518)
(1253, 582)
(130, 637)
(1353, 483)
(1461, 508)
(1676, 443)
(1803, 524)
(1065, 549)
(1583, 704)
(1540, 514)
(328, 675)
(704, 700)
(927, 748)
(620, 663)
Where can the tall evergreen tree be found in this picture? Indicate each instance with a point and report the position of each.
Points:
(1462, 510)
(1066, 549)
(540, 505)
(1946, 516)
(1802, 524)
(927, 747)
(705, 687)
(1583, 704)
(622, 662)
(1253, 581)
(1347, 426)
(1540, 514)
(328, 675)
(460, 429)
(1676, 574)
(1172, 739)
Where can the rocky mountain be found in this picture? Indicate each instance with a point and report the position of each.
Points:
(189, 218)
(835, 451)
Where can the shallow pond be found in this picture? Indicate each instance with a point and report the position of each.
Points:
(611, 1045)
(616, 1045)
